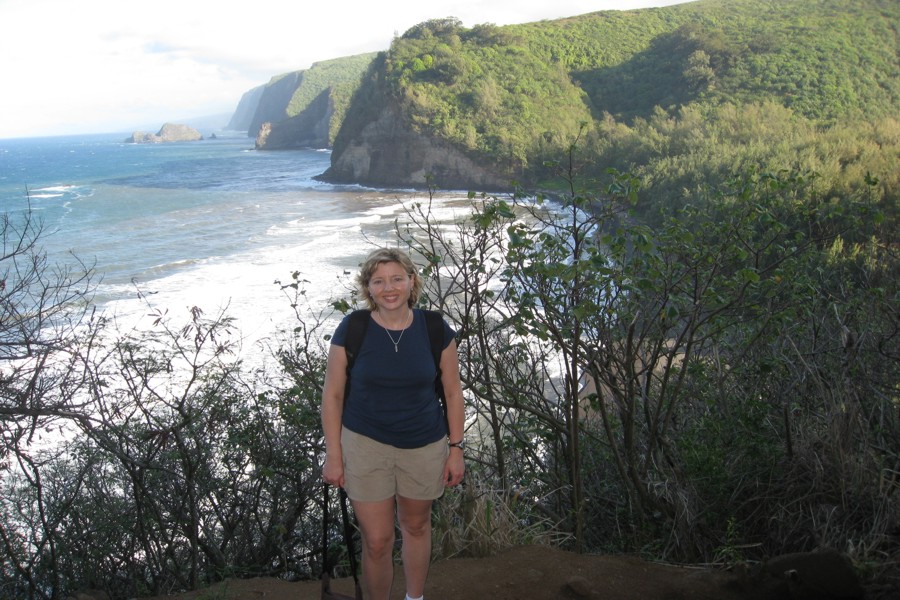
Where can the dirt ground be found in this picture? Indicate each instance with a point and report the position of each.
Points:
(542, 573)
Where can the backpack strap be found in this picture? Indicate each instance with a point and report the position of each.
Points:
(356, 331)
(435, 324)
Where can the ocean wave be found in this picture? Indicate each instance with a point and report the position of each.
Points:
(69, 192)
(181, 264)
(57, 188)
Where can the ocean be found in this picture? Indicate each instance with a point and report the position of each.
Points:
(209, 224)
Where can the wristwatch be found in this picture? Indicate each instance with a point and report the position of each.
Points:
(461, 444)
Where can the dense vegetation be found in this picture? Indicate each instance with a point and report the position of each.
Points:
(719, 388)
(694, 357)
(681, 95)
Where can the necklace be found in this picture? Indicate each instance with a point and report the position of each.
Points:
(402, 331)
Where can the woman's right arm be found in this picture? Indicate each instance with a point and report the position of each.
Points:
(332, 411)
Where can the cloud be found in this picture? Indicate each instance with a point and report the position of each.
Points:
(109, 65)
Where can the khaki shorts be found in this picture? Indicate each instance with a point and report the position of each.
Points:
(374, 471)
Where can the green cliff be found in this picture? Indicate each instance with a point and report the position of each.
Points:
(305, 108)
(681, 96)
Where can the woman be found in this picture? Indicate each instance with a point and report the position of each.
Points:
(388, 443)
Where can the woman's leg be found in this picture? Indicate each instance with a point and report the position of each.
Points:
(376, 522)
(415, 527)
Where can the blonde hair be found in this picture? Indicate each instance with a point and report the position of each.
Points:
(379, 257)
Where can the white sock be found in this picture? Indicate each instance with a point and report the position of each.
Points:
(419, 598)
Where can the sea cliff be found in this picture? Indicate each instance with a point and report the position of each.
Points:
(387, 152)
(304, 109)
(308, 129)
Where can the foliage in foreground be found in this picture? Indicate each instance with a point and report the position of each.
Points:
(720, 388)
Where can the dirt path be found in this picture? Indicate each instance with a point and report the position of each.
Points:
(527, 573)
(543, 573)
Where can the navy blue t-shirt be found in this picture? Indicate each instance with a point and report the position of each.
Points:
(392, 398)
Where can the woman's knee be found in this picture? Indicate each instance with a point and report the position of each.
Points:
(418, 529)
(378, 545)
(414, 518)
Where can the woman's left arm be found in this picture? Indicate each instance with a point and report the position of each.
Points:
(455, 468)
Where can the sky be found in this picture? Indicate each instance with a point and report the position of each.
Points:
(102, 66)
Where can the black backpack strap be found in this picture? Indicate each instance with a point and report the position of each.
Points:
(435, 323)
(356, 331)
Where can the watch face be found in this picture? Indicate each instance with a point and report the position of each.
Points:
(460, 445)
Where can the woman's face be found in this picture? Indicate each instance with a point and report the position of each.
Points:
(390, 286)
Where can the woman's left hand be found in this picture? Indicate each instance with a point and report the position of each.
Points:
(454, 468)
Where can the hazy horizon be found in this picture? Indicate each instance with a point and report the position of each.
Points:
(100, 66)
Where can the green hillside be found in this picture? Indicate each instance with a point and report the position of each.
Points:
(681, 95)
(824, 59)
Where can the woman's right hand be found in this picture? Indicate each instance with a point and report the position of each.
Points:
(333, 471)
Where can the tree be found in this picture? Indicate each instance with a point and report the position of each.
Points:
(44, 311)
(139, 461)
(44, 318)
(517, 279)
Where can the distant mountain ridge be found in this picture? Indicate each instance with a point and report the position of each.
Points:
(484, 106)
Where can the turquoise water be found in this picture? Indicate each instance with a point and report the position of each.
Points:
(211, 224)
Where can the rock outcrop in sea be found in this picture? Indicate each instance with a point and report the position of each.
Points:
(170, 132)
